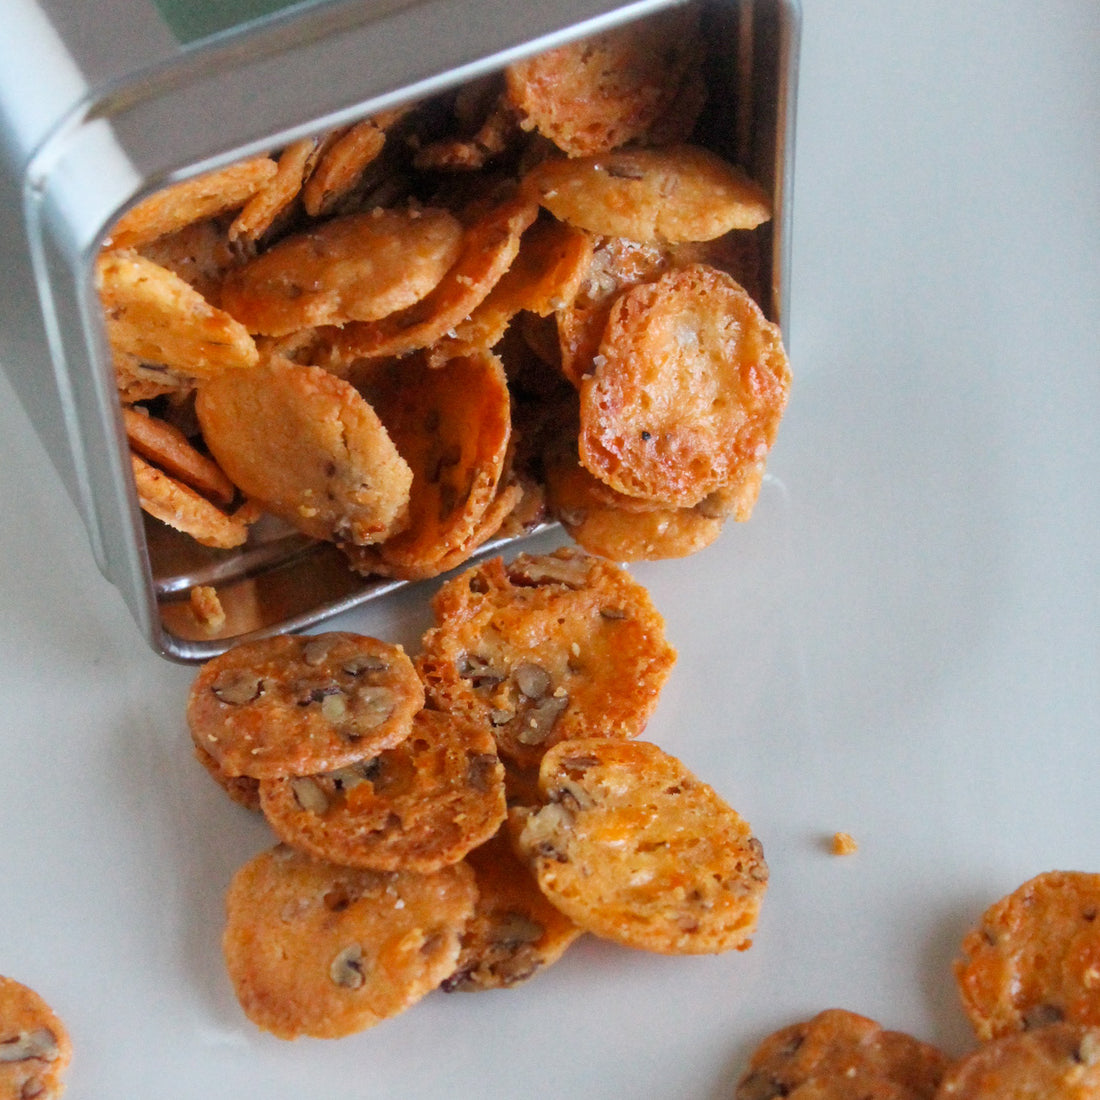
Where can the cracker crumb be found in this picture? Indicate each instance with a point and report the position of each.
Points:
(844, 844)
(207, 608)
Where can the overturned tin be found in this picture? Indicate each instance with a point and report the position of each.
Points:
(141, 94)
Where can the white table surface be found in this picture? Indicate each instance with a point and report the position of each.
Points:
(903, 643)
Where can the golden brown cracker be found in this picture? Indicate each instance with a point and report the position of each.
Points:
(416, 807)
(618, 86)
(344, 158)
(452, 425)
(326, 951)
(489, 246)
(156, 317)
(634, 848)
(616, 265)
(1056, 1062)
(35, 1048)
(514, 933)
(277, 195)
(359, 267)
(305, 445)
(1034, 958)
(546, 648)
(688, 391)
(669, 195)
(164, 444)
(837, 1048)
(192, 200)
(178, 505)
(297, 705)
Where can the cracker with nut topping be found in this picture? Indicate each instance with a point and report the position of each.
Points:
(305, 445)
(631, 846)
(297, 705)
(546, 648)
(514, 933)
(1034, 957)
(416, 807)
(838, 1050)
(35, 1048)
(1054, 1062)
(326, 951)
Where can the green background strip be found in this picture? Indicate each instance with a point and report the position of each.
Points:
(191, 20)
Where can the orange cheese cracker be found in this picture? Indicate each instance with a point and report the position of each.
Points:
(35, 1048)
(326, 951)
(307, 447)
(688, 390)
(546, 648)
(1034, 957)
(634, 848)
(295, 704)
(418, 806)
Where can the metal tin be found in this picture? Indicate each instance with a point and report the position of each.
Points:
(102, 104)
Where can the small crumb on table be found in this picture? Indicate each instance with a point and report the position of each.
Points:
(844, 844)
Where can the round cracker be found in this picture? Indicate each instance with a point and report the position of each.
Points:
(305, 445)
(452, 425)
(35, 1048)
(837, 1047)
(1056, 1062)
(622, 532)
(1034, 957)
(192, 200)
(549, 647)
(488, 248)
(344, 158)
(616, 264)
(179, 506)
(416, 807)
(326, 951)
(689, 388)
(296, 705)
(622, 85)
(514, 933)
(634, 848)
(668, 195)
(156, 317)
(359, 267)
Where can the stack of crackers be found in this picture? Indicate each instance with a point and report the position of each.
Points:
(533, 298)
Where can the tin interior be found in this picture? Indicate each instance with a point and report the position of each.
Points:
(283, 581)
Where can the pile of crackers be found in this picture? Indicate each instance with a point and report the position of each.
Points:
(456, 818)
(529, 299)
